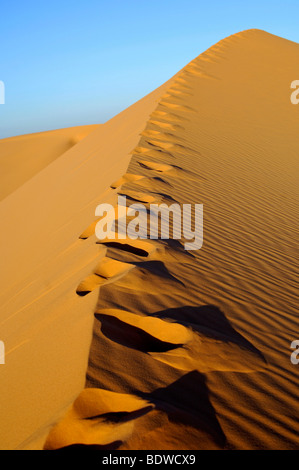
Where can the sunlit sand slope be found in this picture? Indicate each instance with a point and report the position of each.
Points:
(46, 326)
(192, 350)
(24, 156)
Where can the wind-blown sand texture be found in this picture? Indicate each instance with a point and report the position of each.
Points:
(189, 350)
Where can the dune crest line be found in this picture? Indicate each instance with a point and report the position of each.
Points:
(187, 333)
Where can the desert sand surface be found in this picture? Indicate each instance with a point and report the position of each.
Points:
(24, 156)
(140, 344)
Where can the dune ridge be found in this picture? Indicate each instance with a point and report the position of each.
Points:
(45, 325)
(190, 333)
(183, 350)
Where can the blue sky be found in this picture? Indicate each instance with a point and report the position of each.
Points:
(66, 63)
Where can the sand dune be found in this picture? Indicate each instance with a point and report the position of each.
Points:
(24, 156)
(46, 326)
(189, 350)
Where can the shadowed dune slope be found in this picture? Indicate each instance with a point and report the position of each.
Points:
(189, 350)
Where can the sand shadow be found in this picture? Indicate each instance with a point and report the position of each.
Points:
(210, 321)
(159, 269)
(187, 402)
(131, 336)
(120, 417)
(126, 248)
(112, 446)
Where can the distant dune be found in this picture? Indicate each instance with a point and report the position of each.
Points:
(141, 344)
(23, 156)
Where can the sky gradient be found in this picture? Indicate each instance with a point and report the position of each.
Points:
(67, 63)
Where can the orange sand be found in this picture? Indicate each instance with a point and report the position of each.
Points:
(24, 156)
(189, 350)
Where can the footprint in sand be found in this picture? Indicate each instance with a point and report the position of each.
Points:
(177, 107)
(127, 178)
(154, 153)
(139, 196)
(164, 136)
(176, 94)
(171, 170)
(166, 125)
(106, 271)
(159, 167)
(98, 417)
(173, 334)
(161, 145)
(167, 116)
(186, 348)
(137, 247)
